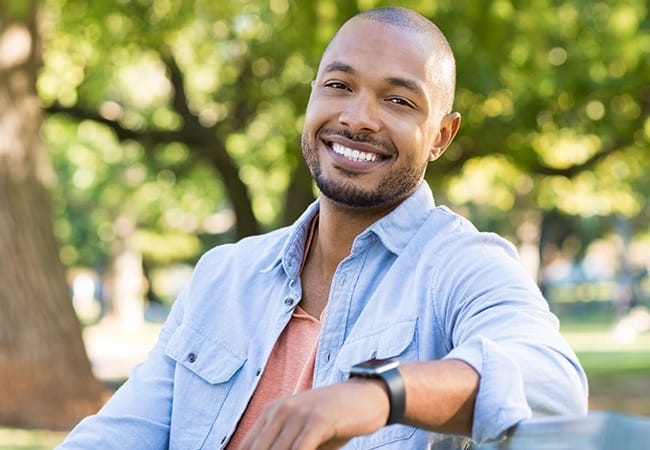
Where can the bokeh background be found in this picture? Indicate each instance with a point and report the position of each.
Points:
(136, 134)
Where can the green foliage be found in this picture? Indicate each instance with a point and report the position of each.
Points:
(554, 97)
(101, 180)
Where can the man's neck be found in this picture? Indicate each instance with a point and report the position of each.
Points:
(338, 226)
(331, 243)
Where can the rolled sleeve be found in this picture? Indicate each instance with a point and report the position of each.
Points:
(501, 399)
(497, 321)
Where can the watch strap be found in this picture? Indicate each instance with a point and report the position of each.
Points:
(396, 394)
(394, 383)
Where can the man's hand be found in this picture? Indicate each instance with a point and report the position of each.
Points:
(323, 418)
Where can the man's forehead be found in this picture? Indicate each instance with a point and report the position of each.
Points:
(379, 43)
(361, 32)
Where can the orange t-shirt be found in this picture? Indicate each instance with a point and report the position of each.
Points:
(290, 369)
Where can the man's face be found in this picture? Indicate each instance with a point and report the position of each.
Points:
(373, 115)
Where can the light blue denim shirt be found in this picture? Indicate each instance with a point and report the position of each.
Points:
(420, 284)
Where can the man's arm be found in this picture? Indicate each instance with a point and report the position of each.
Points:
(328, 417)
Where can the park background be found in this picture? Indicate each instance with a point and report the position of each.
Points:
(136, 134)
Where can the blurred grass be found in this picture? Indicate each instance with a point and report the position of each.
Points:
(619, 374)
(13, 439)
(618, 370)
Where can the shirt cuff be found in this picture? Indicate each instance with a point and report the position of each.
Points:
(501, 400)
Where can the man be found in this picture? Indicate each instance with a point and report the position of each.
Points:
(257, 351)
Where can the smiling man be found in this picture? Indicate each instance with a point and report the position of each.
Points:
(377, 320)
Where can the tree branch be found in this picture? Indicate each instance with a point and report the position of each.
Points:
(574, 170)
(123, 133)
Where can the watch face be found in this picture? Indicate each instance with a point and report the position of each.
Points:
(373, 367)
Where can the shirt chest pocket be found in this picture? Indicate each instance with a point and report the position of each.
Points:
(392, 341)
(206, 367)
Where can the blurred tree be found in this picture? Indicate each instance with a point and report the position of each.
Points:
(555, 113)
(555, 97)
(45, 376)
(198, 84)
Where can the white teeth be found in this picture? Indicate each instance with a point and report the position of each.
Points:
(353, 155)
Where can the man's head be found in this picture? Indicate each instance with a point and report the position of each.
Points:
(380, 108)
(410, 21)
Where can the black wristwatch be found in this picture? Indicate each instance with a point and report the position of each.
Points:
(385, 370)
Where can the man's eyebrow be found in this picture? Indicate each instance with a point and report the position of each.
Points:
(406, 84)
(338, 66)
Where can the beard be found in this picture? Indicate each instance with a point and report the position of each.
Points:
(393, 188)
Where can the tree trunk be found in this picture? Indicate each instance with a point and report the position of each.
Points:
(45, 376)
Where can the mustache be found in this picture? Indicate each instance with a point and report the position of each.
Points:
(388, 146)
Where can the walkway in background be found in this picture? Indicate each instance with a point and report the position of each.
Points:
(113, 350)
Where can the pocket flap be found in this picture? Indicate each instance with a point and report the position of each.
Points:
(210, 358)
(387, 342)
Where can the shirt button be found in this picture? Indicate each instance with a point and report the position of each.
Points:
(191, 357)
(223, 439)
(258, 372)
(288, 301)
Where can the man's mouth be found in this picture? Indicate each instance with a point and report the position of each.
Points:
(354, 155)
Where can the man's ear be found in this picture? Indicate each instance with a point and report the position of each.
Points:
(448, 128)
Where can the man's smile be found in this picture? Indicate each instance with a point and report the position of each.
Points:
(361, 154)
(353, 155)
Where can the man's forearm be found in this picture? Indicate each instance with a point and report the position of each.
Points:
(440, 395)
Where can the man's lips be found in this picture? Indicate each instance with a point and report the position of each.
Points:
(354, 150)
(353, 155)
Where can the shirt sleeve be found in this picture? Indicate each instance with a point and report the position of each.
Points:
(138, 414)
(495, 319)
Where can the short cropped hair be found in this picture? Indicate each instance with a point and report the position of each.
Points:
(402, 18)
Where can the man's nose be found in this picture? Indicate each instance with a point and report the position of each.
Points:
(361, 114)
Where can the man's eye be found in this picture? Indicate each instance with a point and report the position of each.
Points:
(336, 85)
(400, 101)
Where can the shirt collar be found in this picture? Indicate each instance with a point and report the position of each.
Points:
(293, 250)
(394, 230)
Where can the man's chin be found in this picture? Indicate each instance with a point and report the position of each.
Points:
(351, 197)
